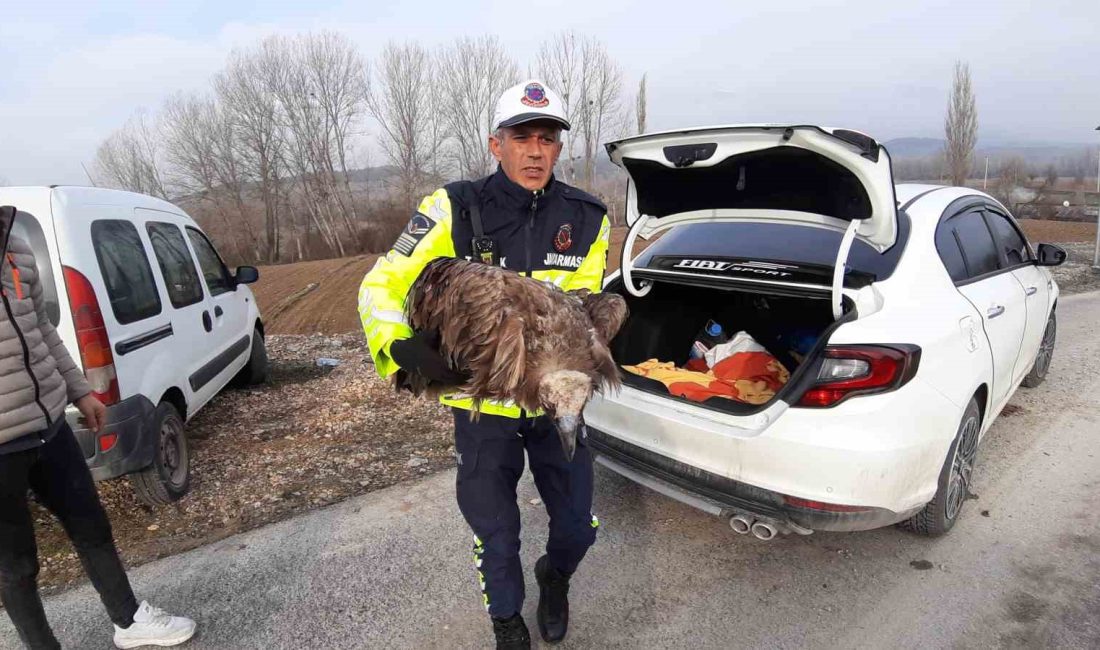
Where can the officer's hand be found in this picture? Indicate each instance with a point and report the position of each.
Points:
(419, 354)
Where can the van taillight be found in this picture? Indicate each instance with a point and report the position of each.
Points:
(849, 370)
(91, 337)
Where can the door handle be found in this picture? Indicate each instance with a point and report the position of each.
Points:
(218, 311)
(995, 311)
(207, 323)
(1031, 291)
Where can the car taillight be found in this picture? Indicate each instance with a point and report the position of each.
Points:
(107, 441)
(849, 370)
(91, 337)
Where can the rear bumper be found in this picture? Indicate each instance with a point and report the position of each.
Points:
(880, 455)
(725, 497)
(135, 446)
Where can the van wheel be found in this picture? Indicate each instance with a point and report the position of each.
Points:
(255, 372)
(1042, 358)
(941, 513)
(169, 477)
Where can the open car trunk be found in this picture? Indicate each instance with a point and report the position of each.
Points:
(664, 323)
(835, 182)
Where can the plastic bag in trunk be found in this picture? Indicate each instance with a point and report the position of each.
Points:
(740, 370)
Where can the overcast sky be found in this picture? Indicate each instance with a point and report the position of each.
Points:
(70, 72)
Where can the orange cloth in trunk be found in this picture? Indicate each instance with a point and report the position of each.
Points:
(750, 377)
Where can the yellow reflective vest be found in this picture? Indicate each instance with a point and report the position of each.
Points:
(559, 235)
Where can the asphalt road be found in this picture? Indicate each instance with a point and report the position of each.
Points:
(392, 569)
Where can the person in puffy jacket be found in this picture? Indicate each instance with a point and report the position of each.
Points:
(39, 454)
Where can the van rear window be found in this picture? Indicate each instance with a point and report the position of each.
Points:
(126, 271)
(27, 228)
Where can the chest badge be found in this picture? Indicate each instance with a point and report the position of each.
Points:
(563, 241)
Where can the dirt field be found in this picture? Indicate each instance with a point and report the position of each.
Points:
(290, 306)
(1058, 232)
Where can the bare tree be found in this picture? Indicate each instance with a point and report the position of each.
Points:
(1080, 165)
(1051, 176)
(960, 126)
(189, 135)
(131, 158)
(472, 75)
(559, 64)
(231, 172)
(400, 99)
(320, 88)
(202, 167)
(244, 89)
(640, 109)
(590, 83)
(339, 76)
(601, 112)
(1012, 174)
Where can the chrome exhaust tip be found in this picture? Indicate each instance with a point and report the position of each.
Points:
(740, 524)
(763, 530)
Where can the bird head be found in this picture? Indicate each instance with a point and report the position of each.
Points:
(563, 394)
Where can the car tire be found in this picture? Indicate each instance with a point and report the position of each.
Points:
(168, 479)
(255, 372)
(1042, 358)
(940, 514)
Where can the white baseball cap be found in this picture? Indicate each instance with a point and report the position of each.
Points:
(528, 101)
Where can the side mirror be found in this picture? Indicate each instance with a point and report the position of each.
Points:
(246, 275)
(1050, 255)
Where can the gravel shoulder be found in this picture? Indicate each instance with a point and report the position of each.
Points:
(311, 437)
(1077, 274)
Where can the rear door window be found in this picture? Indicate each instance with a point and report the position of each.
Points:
(213, 269)
(979, 251)
(176, 264)
(1013, 246)
(126, 271)
(947, 245)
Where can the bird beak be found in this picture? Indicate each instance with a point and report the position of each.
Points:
(567, 431)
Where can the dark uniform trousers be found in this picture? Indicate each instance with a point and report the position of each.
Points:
(490, 463)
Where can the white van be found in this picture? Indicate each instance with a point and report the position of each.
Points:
(121, 280)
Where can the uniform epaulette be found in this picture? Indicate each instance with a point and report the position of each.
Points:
(573, 194)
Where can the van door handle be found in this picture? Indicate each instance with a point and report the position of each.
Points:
(207, 323)
(1031, 291)
(218, 311)
(995, 311)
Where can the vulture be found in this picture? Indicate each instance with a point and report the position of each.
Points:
(518, 339)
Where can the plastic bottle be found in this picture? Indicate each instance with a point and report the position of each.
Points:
(711, 335)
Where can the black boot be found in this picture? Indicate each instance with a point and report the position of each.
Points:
(553, 601)
(511, 633)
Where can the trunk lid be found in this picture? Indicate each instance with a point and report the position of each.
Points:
(834, 179)
(804, 174)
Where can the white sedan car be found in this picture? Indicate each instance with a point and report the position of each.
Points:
(907, 316)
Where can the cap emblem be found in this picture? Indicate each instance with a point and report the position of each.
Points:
(535, 96)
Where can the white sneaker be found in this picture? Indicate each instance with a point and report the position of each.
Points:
(154, 627)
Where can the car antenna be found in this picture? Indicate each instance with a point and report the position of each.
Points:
(90, 179)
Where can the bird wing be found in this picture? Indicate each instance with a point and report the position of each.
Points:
(608, 312)
(481, 329)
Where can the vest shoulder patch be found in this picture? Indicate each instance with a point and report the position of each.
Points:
(417, 228)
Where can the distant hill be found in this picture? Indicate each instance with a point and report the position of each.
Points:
(1035, 153)
(913, 147)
